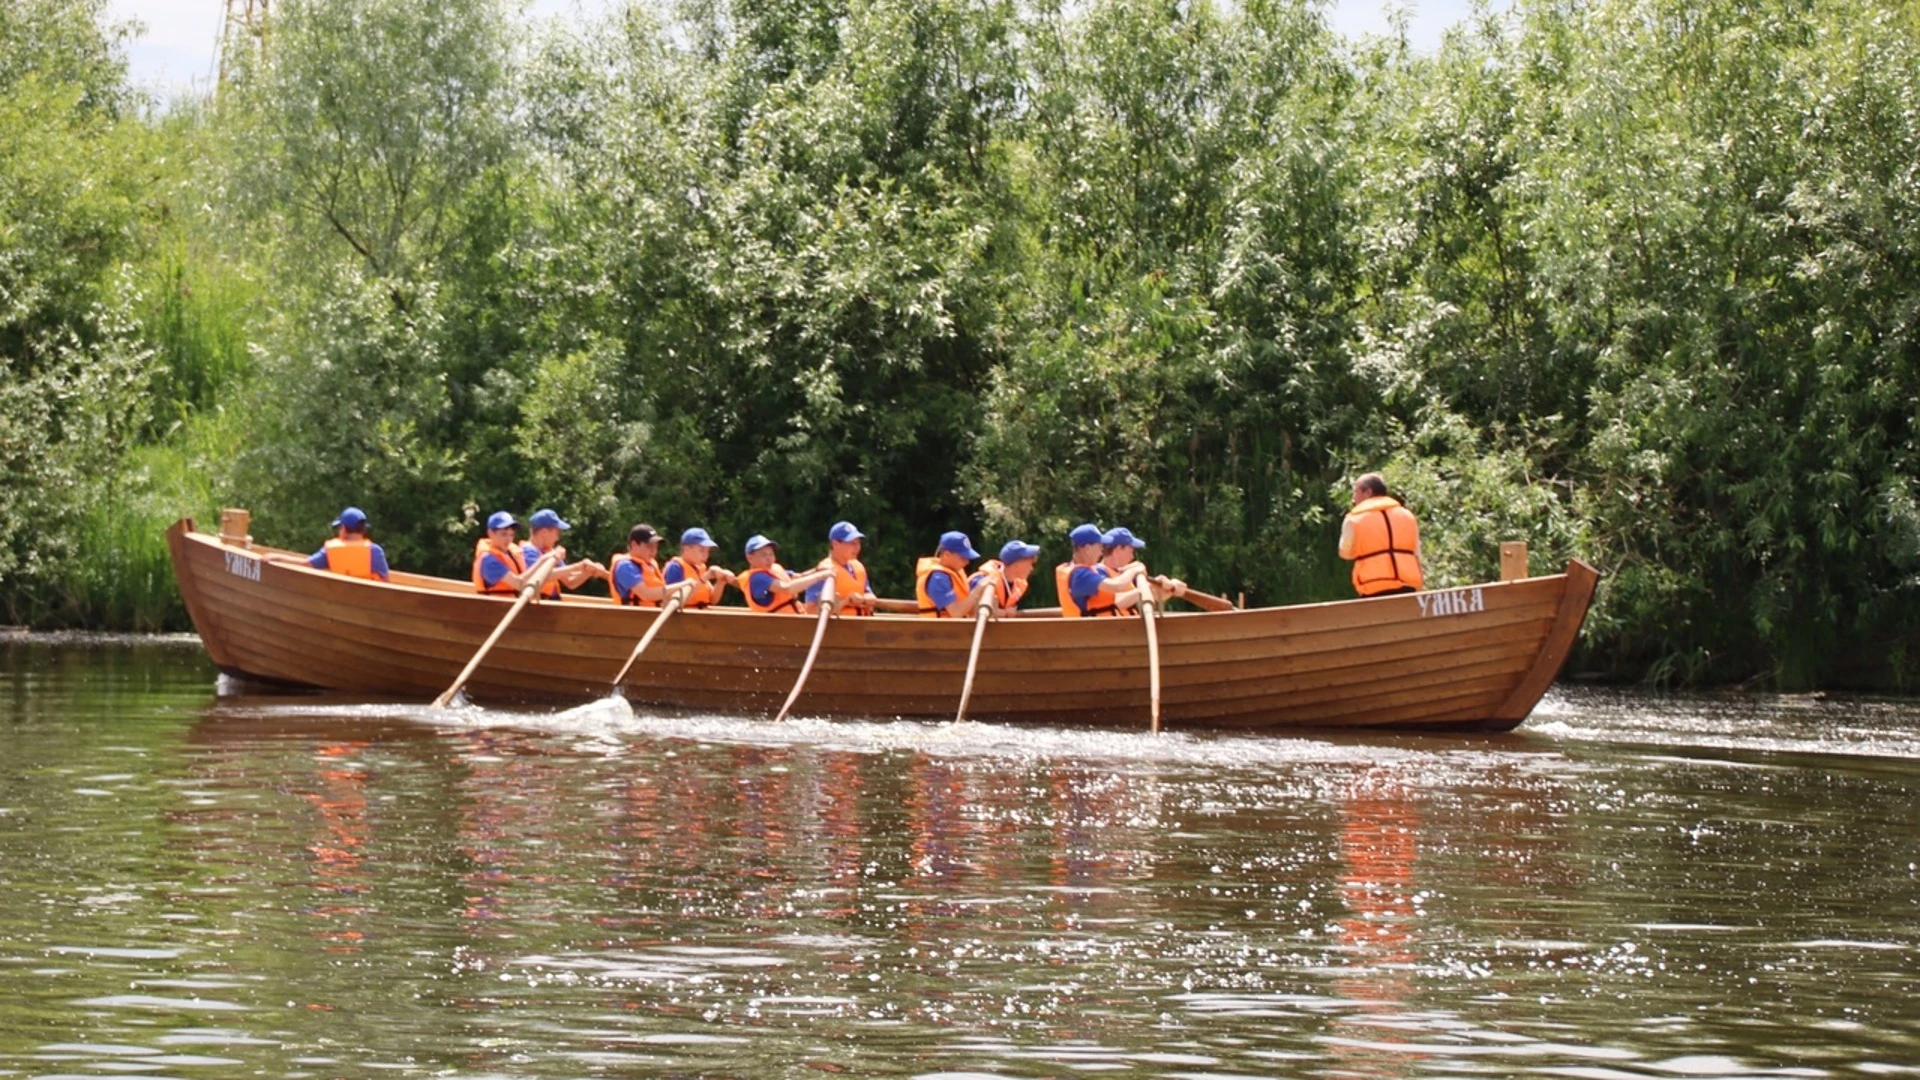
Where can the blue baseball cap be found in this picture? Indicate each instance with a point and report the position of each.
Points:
(844, 531)
(697, 535)
(1118, 536)
(756, 542)
(501, 520)
(958, 543)
(547, 519)
(1015, 550)
(1082, 535)
(352, 517)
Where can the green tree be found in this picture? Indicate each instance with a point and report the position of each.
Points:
(1177, 353)
(370, 123)
(74, 368)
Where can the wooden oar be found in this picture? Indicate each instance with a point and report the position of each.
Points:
(679, 597)
(819, 635)
(535, 578)
(1206, 601)
(980, 617)
(1151, 617)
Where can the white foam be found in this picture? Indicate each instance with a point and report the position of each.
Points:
(611, 721)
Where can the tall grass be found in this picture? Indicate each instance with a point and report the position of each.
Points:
(122, 579)
(196, 314)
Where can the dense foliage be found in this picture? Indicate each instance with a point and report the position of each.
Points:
(1636, 280)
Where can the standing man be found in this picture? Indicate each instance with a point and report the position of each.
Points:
(1008, 576)
(710, 582)
(852, 593)
(635, 577)
(1382, 539)
(350, 552)
(939, 580)
(770, 588)
(499, 562)
(545, 528)
(1084, 541)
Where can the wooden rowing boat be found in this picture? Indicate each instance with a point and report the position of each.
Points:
(1472, 658)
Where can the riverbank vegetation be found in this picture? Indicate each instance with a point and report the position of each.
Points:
(1634, 280)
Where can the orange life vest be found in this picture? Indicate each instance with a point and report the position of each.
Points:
(509, 555)
(702, 594)
(1386, 547)
(1100, 604)
(923, 571)
(353, 558)
(649, 575)
(1006, 592)
(787, 602)
(551, 589)
(848, 581)
(1068, 609)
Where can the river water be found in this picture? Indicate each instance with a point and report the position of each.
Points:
(1632, 886)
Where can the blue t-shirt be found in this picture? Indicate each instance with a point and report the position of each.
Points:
(625, 577)
(492, 569)
(940, 589)
(530, 555)
(760, 587)
(378, 557)
(813, 591)
(1083, 583)
(674, 574)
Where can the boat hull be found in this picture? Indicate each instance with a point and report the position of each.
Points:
(1474, 658)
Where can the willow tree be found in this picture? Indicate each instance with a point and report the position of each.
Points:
(1175, 346)
(783, 227)
(367, 142)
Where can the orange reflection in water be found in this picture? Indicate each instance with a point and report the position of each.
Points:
(1379, 848)
(338, 847)
(508, 794)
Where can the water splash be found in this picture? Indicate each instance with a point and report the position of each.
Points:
(613, 717)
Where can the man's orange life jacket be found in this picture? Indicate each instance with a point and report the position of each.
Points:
(1006, 592)
(509, 555)
(781, 602)
(352, 557)
(702, 594)
(649, 575)
(923, 571)
(1385, 548)
(848, 581)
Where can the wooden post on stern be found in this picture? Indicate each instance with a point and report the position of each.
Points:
(1513, 560)
(234, 523)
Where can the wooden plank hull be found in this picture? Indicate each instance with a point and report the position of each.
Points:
(1472, 658)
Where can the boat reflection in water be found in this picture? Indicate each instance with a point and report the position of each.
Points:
(305, 886)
